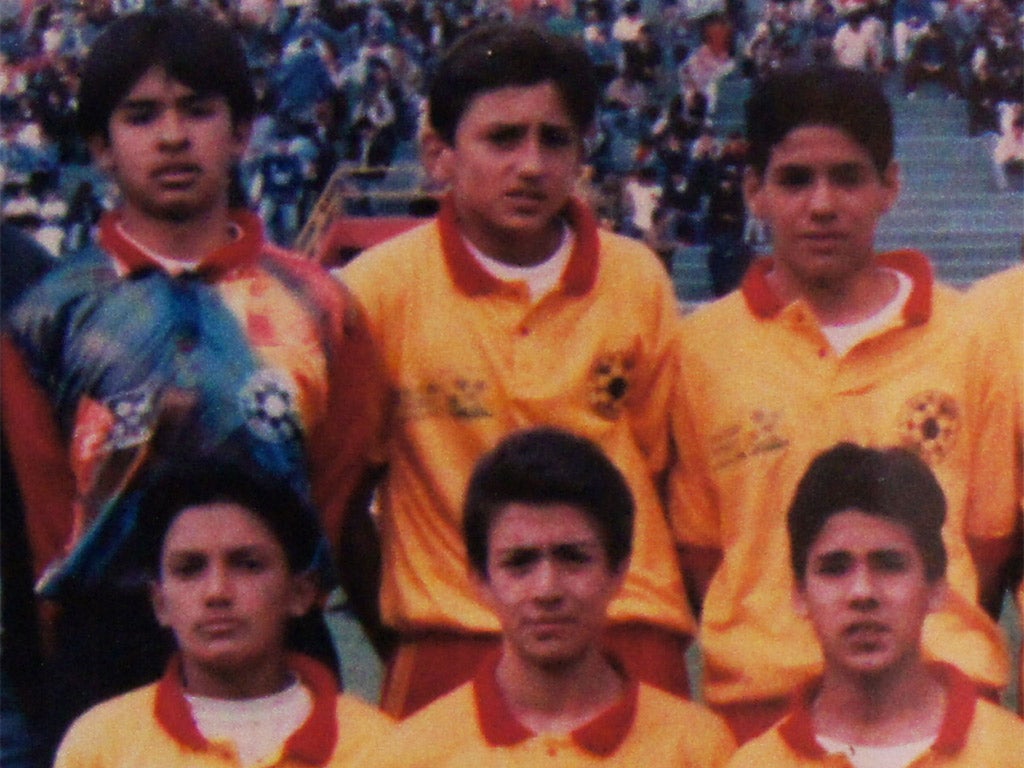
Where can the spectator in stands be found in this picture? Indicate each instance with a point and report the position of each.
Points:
(857, 44)
(232, 573)
(645, 57)
(933, 58)
(842, 344)
(778, 37)
(303, 82)
(911, 19)
(602, 48)
(704, 154)
(628, 91)
(184, 333)
(626, 28)
(712, 60)
(642, 194)
(513, 258)
(1008, 153)
(684, 116)
(548, 525)
(282, 178)
(376, 117)
(728, 255)
(985, 94)
(824, 24)
(83, 214)
(869, 564)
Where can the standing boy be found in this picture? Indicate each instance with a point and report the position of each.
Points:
(184, 332)
(233, 568)
(826, 340)
(865, 535)
(512, 309)
(548, 527)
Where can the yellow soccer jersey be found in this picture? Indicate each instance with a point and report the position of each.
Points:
(760, 393)
(470, 359)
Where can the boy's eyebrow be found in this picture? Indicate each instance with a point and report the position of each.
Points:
(192, 97)
(883, 551)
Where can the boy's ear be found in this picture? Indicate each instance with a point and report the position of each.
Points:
(242, 132)
(156, 597)
(437, 156)
(892, 184)
(99, 151)
(800, 602)
(304, 594)
(752, 184)
(939, 593)
(482, 586)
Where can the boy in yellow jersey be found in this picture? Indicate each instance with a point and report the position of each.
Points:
(995, 307)
(234, 570)
(512, 309)
(865, 534)
(826, 340)
(548, 528)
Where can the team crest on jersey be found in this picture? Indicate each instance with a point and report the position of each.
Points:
(460, 397)
(269, 405)
(610, 379)
(929, 425)
(762, 433)
(132, 417)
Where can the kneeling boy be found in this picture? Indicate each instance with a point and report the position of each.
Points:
(867, 553)
(234, 570)
(548, 523)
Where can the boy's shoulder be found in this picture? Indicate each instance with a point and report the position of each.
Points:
(110, 728)
(363, 731)
(698, 730)
(770, 748)
(996, 726)
(430, 737)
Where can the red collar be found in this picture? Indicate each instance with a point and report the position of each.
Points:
(312, 743)
(961, 697)
(474, 280)
(601, 736)
(133, 259)
(764, 302)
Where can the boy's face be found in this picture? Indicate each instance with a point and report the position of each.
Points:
(822, 197)
(549, 582)
(515, 160)
(170, 150)
(227, 593)
(866, 594)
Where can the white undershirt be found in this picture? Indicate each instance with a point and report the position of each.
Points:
(859, 756)
(843, 338)
(541, 278)
(257, 727)
(170, 264)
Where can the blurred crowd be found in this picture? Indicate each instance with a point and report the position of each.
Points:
(341, 85)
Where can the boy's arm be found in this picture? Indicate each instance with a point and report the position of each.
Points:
(39, 457)
(698, 565)
(345, 467)
(998, 563)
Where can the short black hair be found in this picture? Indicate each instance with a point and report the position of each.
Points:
(191, 46)
(891, 483)
(160, 497)
(827, 95)
(546, 465)
(497, 55)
